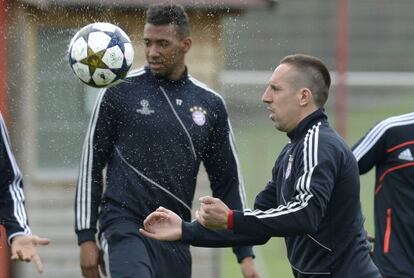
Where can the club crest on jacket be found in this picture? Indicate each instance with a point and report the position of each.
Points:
(198, 115)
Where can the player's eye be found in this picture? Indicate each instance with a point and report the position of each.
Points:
(274, 88)
(164, 44)
(147, 43)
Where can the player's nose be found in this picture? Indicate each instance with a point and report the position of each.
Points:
(153, 51)
(266, 97)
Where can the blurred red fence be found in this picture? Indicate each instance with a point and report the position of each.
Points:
(4, 254)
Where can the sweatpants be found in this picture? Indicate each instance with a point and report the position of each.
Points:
(132, 255)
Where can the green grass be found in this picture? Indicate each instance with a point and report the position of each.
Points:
(258, 146)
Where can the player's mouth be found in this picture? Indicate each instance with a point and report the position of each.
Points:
(156, 65)
(271, 114)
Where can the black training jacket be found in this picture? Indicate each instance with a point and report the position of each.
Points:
(389, 147)
(12, 211)
(152, 134)
(312, 201)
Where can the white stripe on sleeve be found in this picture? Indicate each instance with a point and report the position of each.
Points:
(375, 133)
(15, 189)
(303, 195)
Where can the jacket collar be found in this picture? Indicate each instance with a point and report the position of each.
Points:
(165, 82)
(307, 123)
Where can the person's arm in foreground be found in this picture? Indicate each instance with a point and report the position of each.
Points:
(300, 215)
(164, 224)
(96, 150)
(221, 162)
(13, 213)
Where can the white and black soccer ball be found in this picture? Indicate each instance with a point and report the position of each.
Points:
(100, 54)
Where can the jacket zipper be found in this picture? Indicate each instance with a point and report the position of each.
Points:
(190, 140)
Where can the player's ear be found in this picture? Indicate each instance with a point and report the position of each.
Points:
(186, 43)
(305, 96)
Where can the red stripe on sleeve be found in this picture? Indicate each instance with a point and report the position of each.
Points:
(230, 220)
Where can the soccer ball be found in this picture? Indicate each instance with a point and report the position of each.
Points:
(100, 54)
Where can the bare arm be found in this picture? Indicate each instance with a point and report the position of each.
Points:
(91, 260)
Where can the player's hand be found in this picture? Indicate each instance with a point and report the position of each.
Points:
(213, 213)
(371, 238)
(162, 224)
(248, 268)
(23, 248)
(371, 243)
(91, 259)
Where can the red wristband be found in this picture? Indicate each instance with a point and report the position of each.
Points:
(230, 220)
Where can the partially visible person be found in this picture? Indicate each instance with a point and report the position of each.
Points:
(312, 199)
(152, 132)
(389, 147)
(12, 210)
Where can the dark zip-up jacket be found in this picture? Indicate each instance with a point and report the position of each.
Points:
(151, 134)
(389, 147)
(12, 211)
(312, 201)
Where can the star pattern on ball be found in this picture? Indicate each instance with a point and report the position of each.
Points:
(94, 60)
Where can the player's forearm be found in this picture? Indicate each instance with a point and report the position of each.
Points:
(87, 202)
(273, 226)
(195, 234)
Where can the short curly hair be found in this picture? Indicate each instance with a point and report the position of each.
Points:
(169, 14)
